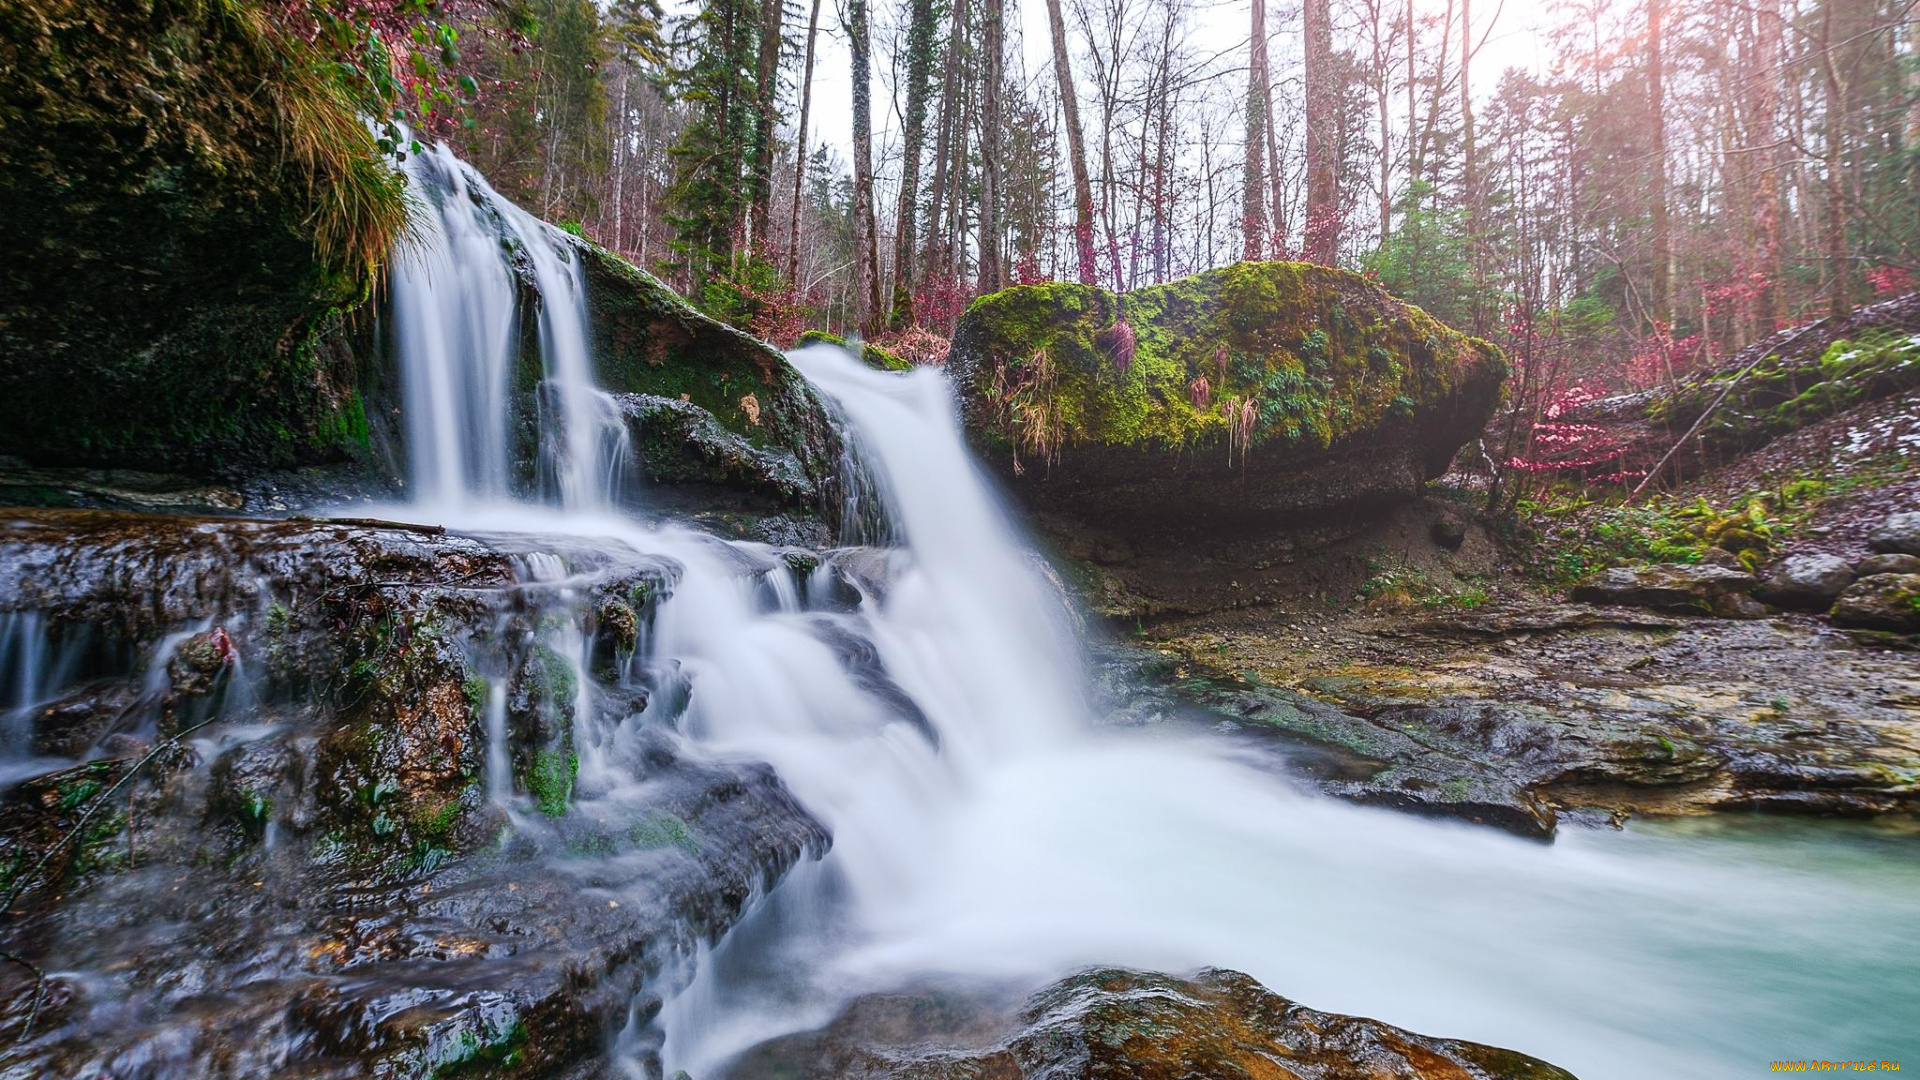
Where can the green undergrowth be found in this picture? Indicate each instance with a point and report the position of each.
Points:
(1782, 395)
(1398, 587)
(1258, 352)
(1564, 536)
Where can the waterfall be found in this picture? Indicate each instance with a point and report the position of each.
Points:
(986, 830)
(457, 309)
(984, 827)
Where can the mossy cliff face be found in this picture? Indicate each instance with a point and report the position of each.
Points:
(773, 447)
(176, 281)
(1239, 398)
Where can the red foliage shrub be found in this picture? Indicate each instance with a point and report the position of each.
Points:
(1890, 280)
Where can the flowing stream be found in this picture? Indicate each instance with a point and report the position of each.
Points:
(988, 831)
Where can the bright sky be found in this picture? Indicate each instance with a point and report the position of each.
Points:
(1215, 28)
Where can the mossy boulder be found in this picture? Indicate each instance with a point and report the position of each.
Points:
(1677, 590)
(178, 270)
(1235, 400)
(1881, 602)
(712, 410)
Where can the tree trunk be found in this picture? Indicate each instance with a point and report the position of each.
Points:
(1076, 149)
(1253, 215)
(913, 134)
(800, 150)
(766, 84)
(992, 43)
(1839, 291)
(1657, 116)
(866, 249)
(1322, 244)
(933, 257)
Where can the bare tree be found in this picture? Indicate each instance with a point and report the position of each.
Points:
(1076, 149)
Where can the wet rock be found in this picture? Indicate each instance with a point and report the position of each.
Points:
(1118, 1024)
(1898, 535)
(1805, 581)
(1518, 715)
(1717, 556)
(717, 415)
(1881, 602)
(316, 883)
(1886, 564)
(1680, 590)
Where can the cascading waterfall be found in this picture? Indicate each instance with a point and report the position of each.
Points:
(456, 309)
(999, 836)
(984, 828)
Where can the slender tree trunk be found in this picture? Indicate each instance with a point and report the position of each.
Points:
(934, 257)
(1382, 88)
(1839, 290)
(1253, 214)
(866, 249)
(992, 43)
(1765, 161)
(1076, 150)
(1323, 147)
(1657, 115)
(913, 134)
(800, 149)
(766, 84)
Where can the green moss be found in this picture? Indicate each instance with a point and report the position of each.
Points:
(550, 780)
(660, 829)
(1270, 352)
(872, 355)
(1783, 394)
(557, 683)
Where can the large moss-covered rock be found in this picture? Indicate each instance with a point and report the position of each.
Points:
(1232, 401)
(715, 413)
(178, 268)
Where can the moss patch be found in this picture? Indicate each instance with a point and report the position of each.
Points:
(1781, 395)
(1262, 352)
(871, 355)
(550, 780)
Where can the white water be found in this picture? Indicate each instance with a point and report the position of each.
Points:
(986, 829)
(456, 312)
(1030, 845)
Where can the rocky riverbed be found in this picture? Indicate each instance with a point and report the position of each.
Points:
(1523, 713)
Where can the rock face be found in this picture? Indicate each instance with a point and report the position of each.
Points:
(305, 869)
(1680, 590)
(181, 300)
(1805, 581)
(1232, 402)
(1116, 1024)
(766, 439)
(1881, 602)
(175, 296)
(1899, 535)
